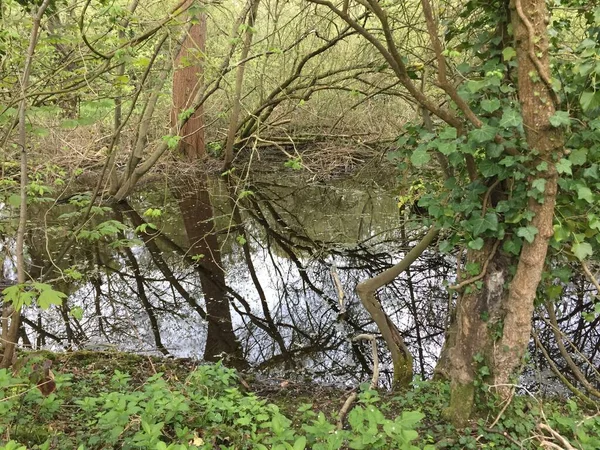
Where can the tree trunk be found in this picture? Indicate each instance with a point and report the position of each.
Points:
(239, 80)
(500, 341)
(366, 290)
(187, 81)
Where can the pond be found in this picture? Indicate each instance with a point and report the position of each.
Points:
(261, 273)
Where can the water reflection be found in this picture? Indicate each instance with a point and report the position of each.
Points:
(245, 271)
(241, 271)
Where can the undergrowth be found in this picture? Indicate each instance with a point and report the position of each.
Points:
(98, 406)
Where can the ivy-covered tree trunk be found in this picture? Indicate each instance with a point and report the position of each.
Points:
(493, 323)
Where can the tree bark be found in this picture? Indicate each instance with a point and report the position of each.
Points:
(503, 353)
(401, 357)
(10, 333)
(239, 79)
(187, 81)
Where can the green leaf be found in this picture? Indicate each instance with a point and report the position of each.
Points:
(591, 172)
(300, 443)
(539, 184)
(445, 246)
(476, 85)
(578, 157)
(76, 312)
(14, 200)
(482, 224)
(476, 244)
(582, 250)
(585, 193)
(560, 118)
(50, 297)
(593, 222)
(510, 119)
(512, 246)
(560, 233)
(589, 100)
(494, 150)
(508, 53)
(528, 233)
(490, 105)
(484, 134)
(564, 166)
(420, 157)
(448, 133)
(69, 124)
(447, 148)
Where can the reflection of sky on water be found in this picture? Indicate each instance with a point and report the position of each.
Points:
(327, 223)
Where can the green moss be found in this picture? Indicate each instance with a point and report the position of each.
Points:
(403, 373)
(462, 400)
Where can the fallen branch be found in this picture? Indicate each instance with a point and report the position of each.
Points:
(374, 380)
(566, 445)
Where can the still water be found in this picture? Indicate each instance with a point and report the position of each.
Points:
(244, 271)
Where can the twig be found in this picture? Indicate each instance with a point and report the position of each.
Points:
(566, 445)
(487, 196)
(506, 403)
(591, 277)
(338, 286)
(471, 280)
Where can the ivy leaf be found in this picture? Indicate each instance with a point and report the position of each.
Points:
(476, 244)
(448, 133)
(420, 157)
(560, 233)
(539, 184)
(560, 118)
(445, 246)
(528, 233)
(512, 246)
(591, 172)
(490, 105)
(487, 222)
(589, 100)
(508, 53)
(494, 150)
(510, 119)
(594, 222)
(582, 250)
(476, 85)
(585, 193)
(564, 166)
(484, 134)
(578, 157)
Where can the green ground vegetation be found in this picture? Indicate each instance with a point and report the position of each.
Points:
(112, 400)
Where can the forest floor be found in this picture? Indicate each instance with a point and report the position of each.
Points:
(97, 400)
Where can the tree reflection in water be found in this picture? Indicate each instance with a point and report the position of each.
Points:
(246, 275)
